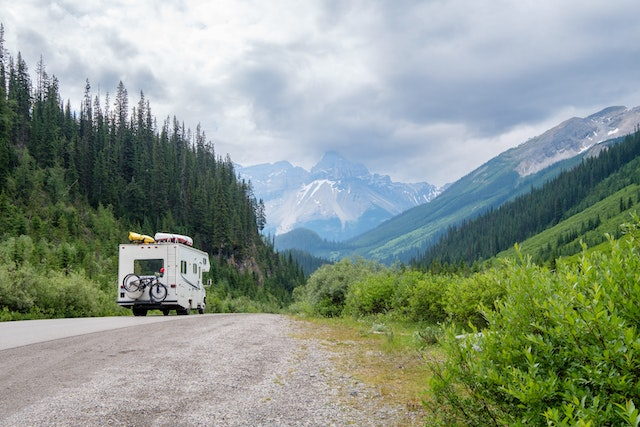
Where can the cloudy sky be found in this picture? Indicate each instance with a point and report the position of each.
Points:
(418, 90)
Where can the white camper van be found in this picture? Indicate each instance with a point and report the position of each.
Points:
(163, 272)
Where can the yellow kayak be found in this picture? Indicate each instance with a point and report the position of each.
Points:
(140, 238)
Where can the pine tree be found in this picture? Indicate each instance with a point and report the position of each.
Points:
(6, 148)
(19, 98)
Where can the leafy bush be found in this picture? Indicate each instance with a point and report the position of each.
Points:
(326, 289)
(467, 298)
(14, 295)
(32, 285)
(363, 288)
(371, 295)
(561, 348)
(427, 298)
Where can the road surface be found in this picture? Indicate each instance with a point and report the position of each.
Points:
(211, 370)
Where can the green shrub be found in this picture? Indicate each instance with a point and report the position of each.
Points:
(467, 298)
(370, 295)
(326, 289)
(31, 288)
(15, 292)
(69, 296)
(427, 297)
(561, 348)
(427, 336)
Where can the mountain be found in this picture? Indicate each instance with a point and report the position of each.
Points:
(337, 199)
(512, 173)
(580, 205)
(573, 137)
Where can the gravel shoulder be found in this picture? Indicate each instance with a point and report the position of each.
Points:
(223, 370)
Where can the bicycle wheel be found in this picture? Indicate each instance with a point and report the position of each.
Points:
(157, 292)
(132, 283)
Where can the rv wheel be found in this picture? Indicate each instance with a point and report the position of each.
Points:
(165, 312)
(137, 311)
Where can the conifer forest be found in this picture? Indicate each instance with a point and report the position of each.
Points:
(76, 177)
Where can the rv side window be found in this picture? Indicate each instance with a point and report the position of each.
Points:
(147, 267)
(195, 268)
(183, 267)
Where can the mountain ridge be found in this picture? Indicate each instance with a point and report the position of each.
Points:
(500, 179)
(577, 135)
(609, 181)
(337, 198)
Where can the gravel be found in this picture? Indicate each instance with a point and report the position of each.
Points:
(212, 370)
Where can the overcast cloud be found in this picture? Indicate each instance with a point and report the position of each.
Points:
(419, 90)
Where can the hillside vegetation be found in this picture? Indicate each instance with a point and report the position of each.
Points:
(581, 203)
(72, 183)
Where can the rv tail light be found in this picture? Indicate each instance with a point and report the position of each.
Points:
(173, 285)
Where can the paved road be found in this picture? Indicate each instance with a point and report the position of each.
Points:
(16, 334)
(211, 370)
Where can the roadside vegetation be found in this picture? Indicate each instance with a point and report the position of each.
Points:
(514, 344)
(384, 361)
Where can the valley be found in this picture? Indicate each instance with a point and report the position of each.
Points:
(399, 237)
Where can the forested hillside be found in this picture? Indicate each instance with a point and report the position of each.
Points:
(570, 193)
(73, 181)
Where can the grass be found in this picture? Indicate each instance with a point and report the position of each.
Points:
(388, 358)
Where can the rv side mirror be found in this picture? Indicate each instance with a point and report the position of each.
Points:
(208, 283)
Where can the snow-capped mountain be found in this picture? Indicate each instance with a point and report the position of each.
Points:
(573, 137)
(337, 199)
(506, 176)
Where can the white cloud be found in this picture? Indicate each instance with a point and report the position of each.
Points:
(421, 90)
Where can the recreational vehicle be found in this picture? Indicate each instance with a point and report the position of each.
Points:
(163, 272)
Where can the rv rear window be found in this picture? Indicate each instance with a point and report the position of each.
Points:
(147, 267)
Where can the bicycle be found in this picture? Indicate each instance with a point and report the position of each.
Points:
(157, 291)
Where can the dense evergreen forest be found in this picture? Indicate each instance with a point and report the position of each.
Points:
(570, 192)
(73, 181)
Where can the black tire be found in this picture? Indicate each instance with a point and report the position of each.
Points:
(182, 311)
(131, 283)
(165, 312)
(138, 311)
(201, 309)
(158, 292)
